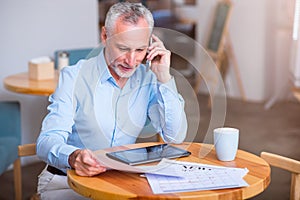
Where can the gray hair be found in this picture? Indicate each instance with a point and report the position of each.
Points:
(129, 12)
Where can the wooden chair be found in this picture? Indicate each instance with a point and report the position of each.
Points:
(216, 43)
(290, 165)
(219, 47)
(76, 54)
(23, 150)
(10, 133)
(29, 150)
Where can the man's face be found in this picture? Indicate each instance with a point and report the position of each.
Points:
(126, 47)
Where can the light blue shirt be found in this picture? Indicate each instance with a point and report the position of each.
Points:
(89, 110)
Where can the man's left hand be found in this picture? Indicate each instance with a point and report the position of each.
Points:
(160, 59)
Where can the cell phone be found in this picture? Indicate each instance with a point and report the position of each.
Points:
(148, 62)
(148, 154)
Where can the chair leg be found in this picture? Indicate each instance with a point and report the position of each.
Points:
(18, 179)
(295, 185)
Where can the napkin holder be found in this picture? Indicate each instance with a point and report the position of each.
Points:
(41, 68)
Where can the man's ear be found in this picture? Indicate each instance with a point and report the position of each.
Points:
(103, 35)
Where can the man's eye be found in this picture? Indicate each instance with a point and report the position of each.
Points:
(123, 49)
(140, 50)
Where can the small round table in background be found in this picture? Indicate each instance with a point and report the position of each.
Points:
(20, 83)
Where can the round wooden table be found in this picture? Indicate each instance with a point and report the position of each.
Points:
(21, 83)
(122, 185)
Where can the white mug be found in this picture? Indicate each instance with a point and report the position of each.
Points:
(226, 141)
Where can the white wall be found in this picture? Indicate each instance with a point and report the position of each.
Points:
(34, 28)
(247, 30)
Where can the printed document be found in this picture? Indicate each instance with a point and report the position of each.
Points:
(188, 176)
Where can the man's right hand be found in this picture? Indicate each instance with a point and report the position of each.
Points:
(85, 163)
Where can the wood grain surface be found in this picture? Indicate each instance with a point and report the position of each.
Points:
(21, 83)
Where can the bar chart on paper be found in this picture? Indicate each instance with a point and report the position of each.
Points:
(195, 176)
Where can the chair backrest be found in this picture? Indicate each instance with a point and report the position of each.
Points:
(10, 133)
(216, 42)
(290, 165)
(23, 150)
(76, 54)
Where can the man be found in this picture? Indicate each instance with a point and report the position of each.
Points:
(105, 101)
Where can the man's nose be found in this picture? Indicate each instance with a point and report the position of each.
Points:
(131, 58)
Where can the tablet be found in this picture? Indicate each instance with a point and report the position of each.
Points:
(148, 154)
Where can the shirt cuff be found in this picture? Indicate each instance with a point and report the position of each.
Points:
(65, 153)
(168, 86)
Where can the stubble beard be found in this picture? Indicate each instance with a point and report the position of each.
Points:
(122, 74)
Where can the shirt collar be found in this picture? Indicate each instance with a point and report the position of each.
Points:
(105, 74)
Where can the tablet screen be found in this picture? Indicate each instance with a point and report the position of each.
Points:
(148, 154)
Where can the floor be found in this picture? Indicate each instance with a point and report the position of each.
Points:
(275, 130)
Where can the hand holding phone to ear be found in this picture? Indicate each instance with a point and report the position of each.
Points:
(160, 59)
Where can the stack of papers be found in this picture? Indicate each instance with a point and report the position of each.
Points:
(188, 176)
(171, 176)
